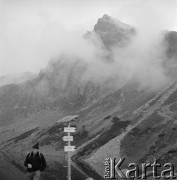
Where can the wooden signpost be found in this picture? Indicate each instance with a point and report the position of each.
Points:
(69, 148)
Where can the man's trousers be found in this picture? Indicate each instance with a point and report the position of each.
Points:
(33, 175)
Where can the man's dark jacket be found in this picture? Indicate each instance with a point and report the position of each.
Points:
(36, 160)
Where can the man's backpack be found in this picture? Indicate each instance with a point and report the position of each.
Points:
(29, 155)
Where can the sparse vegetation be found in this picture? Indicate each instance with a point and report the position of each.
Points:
(117, 127)
(172, 98)
(107, 117)
(173, 107)
(24, 135)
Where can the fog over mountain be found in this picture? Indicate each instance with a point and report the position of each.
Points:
(116, 52)
(36, 34)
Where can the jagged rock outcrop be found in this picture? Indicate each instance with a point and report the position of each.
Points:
(113, 32)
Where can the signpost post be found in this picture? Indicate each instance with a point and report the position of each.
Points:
(69, 158)
(69, 148)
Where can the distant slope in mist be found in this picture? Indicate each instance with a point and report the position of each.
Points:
(63, 84)
(17, 78)
(170, 42)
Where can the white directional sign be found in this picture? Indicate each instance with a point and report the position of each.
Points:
(67, 138)
(69, 129)
(69, 148)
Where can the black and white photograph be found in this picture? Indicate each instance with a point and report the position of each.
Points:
(88, 89)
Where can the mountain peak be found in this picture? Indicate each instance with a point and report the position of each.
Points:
(106, 17)
(106, 23)
(112, 31)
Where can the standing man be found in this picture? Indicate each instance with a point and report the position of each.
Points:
(35, 163)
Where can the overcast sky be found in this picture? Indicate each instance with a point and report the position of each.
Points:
(31, 31)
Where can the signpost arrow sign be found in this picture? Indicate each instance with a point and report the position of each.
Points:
(69, 129)
(69, 148)
(67, 138)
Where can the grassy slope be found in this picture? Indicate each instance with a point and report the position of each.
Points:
(148, 125)
(155, 137)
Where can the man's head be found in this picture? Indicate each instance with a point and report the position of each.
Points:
(36, 148)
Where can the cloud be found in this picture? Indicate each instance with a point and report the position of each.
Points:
(32, 33)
